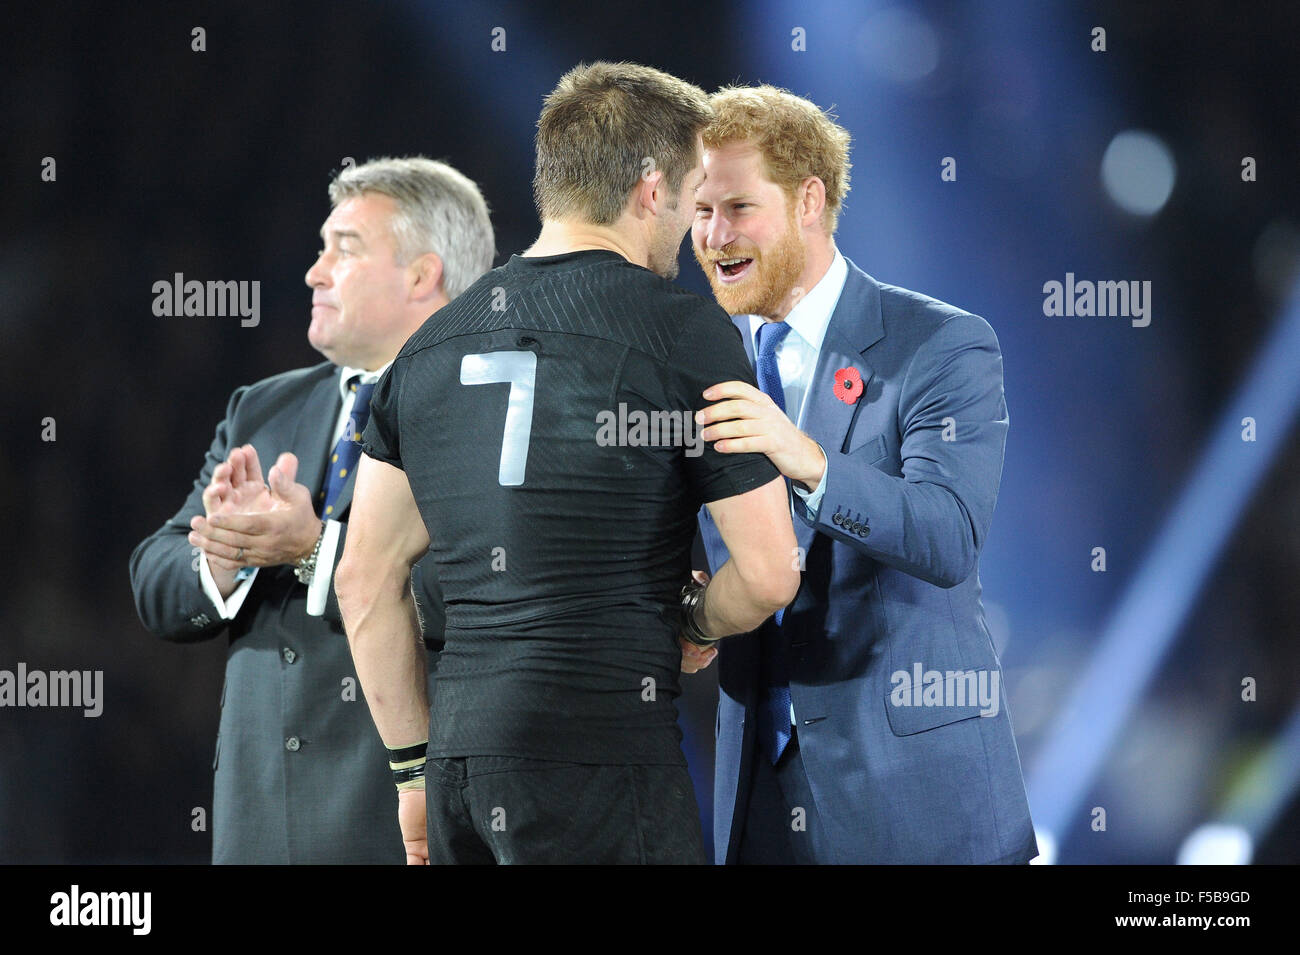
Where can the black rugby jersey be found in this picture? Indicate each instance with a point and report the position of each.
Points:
(544, 421)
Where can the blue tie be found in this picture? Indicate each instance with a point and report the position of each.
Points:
(774, 708)
(346, 454)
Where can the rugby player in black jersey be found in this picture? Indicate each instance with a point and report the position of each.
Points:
(537, 435)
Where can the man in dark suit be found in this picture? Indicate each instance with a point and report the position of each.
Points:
(866, 723)
(300, 774)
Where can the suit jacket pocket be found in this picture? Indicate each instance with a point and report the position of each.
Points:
(910, 718)
(873, 450)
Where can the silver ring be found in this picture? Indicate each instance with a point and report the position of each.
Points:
(240, 555)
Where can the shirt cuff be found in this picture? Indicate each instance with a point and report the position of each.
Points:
(226, 606)
(318, 591)
(812, 500)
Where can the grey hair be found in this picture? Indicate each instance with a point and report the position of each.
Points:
(439, 210)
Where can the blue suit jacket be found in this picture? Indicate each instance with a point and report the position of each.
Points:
(890, 582)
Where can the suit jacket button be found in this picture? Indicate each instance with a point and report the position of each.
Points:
(293, 744)
(865, 531)
(855, 527)
(289, 655)
(837, 520)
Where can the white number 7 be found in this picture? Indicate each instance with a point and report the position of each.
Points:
(520, 369)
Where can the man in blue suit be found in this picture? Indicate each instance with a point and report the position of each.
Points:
(866, 723)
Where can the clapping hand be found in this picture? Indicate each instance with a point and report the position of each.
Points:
(251, 522)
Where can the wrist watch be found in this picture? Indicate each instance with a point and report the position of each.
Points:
(305, 568)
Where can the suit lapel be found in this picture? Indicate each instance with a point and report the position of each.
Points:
(314, 436)
(855, 326)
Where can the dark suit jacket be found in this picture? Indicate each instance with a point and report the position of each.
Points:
(301, 775)
(891, 580)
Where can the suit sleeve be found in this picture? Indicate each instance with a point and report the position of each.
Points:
(169, 596)
(931, 522)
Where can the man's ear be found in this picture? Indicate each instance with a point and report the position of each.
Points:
(812, 200)
(424, 276)
(651, 193)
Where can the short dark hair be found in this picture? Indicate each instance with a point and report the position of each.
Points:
(602, 127)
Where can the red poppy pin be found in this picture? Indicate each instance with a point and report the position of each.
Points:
(848, 385)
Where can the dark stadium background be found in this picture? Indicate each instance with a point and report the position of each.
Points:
(215, 164)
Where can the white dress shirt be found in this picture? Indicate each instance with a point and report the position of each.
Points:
(796, 356)
(319, 588)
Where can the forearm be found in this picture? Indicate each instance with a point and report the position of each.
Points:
(733, 604)
(384, 634)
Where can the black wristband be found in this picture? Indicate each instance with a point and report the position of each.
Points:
(409, 774)
(692, 593)
(407, 765)
(408, 753)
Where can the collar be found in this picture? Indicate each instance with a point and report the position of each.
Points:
(810, 316)
(346, 373)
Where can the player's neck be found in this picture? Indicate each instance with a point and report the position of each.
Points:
(562, 237)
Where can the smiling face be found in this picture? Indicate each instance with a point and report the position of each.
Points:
(359, 291)
(746, 234)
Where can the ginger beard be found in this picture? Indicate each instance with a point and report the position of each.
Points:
(767, 280)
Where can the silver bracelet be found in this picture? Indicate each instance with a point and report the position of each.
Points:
(305, 569)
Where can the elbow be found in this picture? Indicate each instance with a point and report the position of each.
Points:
(349, 588)
(773, 586)
(947, 581)
(782, 587)
(954, 550)
(956, 570)
(360, 587)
